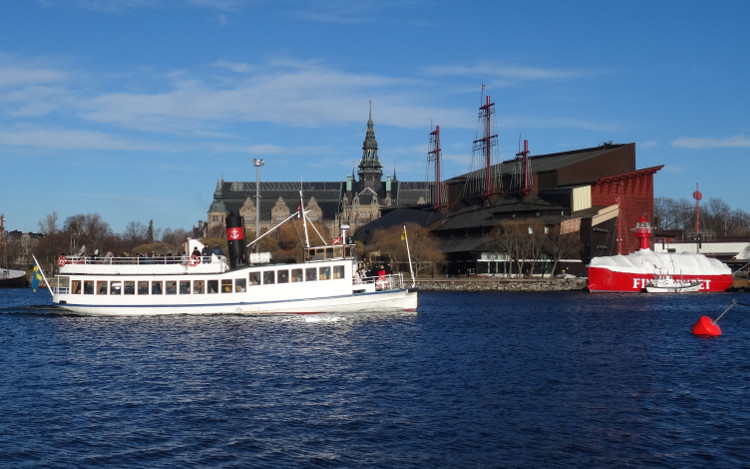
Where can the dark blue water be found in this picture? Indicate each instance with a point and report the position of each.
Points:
(472, 380)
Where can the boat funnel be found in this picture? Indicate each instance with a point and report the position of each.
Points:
(236, 239)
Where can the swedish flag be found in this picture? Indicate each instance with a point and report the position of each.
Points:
(35, 278)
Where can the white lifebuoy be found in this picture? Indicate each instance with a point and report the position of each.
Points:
(381, 283)
(194, 260)
(61, 261)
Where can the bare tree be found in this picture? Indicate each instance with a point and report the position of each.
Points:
(509, 238)
(562, 246)
(422, 246)
(48, 226)
(671, 214)
(135, 233)
(715, 216)
(174, 240)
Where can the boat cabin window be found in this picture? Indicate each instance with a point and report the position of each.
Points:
(325, 273)
(338, 271)
(129, 287)
(226, 285)
(88, 287)
(239, 285)
(198, 287)
(269, 277)
(115, 288)
(254, 278)
(143, 287)
(76, 287)
(170, 287)
(311, 274)
(212, 286)
(156, 287)
(184, 287)
(296, 275)
(101, 287)
(283, 276)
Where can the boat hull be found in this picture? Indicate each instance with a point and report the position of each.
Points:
(603, 279)
(326, 283)
(10, 278)
(690, 289)
(377, 301)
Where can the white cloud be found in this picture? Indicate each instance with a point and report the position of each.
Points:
(500, 74)
(339, 11)
(15, 72)
(74, 140)
(736, 141)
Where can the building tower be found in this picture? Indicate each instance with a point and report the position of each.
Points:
(217, 213)
(370, 170)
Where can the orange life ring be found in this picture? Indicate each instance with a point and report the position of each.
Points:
(61, 261)
(194, 260)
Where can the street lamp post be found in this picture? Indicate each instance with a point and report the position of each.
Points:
(257, 162)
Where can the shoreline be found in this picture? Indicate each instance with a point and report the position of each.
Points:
(486, 284)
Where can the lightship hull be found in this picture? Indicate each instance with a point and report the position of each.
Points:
(603, 279)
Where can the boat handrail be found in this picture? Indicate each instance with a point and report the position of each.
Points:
(135, 260)
(386, 282)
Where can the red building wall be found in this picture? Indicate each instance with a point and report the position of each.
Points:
(634, 191)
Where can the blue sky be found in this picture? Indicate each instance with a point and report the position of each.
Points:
(133, 109)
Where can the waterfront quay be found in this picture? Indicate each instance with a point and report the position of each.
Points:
(481, 284)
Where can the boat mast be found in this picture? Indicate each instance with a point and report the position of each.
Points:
(304, 217)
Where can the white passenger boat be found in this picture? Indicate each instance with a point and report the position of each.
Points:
(663, 283)
(326, 281)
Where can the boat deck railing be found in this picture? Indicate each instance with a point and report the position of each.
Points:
(133, 260)
(385, 282)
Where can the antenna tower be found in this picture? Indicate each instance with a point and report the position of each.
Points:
(697, 196)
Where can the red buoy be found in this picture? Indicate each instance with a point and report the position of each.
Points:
(706, 326)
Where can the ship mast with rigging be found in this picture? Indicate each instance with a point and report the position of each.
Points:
(484, 149)
(435, 155)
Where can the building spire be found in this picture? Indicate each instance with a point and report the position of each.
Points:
(218, 204)
(370, 170)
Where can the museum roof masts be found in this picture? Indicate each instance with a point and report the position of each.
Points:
(484, 152)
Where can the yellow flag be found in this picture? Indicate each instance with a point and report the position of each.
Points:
(403, 235)
(35, 278)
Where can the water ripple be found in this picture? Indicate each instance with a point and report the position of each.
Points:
(477, 380)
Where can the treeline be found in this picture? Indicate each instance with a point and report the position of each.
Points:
(716, 217)
(93, 233)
